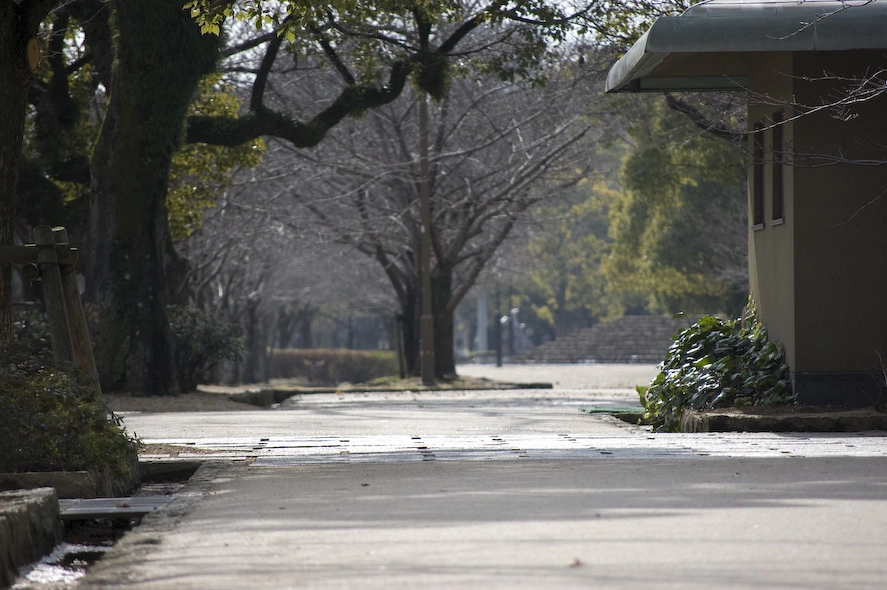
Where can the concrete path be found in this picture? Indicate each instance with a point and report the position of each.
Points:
(502, 490)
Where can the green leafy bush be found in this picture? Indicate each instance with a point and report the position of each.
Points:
(52, 419)
(30, 330)
(200, 341)
(716, 363)
(331, 366)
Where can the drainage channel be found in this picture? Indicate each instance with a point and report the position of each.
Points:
(91, 528)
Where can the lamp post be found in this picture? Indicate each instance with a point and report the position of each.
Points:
(426, 320)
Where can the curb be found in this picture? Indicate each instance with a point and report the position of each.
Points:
(261, 397)
(30, 527)
(265, 397)
(802, 421)
(67, 484)
(75, 484)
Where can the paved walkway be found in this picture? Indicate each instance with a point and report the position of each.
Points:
(502, 490)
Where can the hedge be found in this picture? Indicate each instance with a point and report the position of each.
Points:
(324, 366)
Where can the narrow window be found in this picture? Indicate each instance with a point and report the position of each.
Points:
(758, 177)
(778, 205)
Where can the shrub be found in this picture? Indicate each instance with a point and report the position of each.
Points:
(331, 366)
(30, 330)
(200, 340)
(52, 419)
(716, 363)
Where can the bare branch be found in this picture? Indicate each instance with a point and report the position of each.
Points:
(702, 122)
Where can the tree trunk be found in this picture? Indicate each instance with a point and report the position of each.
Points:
(350, 342)
(410, 312)
(444, 338)
(444, 357)
(562, 318)
(287, 321)
(257, 329)
(18, 24)
(306, 340)
(132, 252)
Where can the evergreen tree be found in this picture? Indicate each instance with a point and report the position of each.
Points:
(678, 230)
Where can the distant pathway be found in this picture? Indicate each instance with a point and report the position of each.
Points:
(588, 377)
(469, 425)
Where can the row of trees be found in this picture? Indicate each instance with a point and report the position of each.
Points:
(496, 150)
(141, 63)
(660, 228)
(136, 143)
(628, 220)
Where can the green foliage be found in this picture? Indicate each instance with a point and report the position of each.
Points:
(54, 181)
(716, 363)
(200, 341)
(432, 75)
(52, 418)
(199, 172)
(331, 366)
(388, 31)
(678, 229)
(566, 280)
(623, 23)
(30, 332)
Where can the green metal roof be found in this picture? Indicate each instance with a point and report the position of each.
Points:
(712, 35)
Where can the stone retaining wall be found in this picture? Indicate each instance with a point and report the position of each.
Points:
(30, 528)
(629, 339)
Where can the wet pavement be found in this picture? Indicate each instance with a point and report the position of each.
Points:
(514, 489)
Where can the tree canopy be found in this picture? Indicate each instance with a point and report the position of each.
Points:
(375, 50)
(679, 231)
(565, 287)
(491, 143)
(119, 148)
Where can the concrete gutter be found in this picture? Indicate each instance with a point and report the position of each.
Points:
(29, 528)
(31, 520)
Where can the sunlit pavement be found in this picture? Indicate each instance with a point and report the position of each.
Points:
(505, 490)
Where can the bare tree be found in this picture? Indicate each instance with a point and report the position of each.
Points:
(496, 147)
(249, 268)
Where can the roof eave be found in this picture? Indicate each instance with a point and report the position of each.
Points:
(741, 33)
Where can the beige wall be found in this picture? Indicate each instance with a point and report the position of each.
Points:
(831, 316)
(771, 247)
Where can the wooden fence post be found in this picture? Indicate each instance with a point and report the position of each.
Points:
(77, 325)
(62, 345)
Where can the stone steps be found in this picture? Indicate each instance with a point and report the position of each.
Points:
(629, 339)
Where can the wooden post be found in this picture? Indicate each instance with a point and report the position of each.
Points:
(62, 345)
(498, 326)
(426, 318)
(398, 343)
(77, 325)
